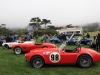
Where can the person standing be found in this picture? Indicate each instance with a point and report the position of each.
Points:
(83, 36)
(98, 42)
(63, 37)
(88, 35)
(63, 45)
(50, 35)
(94, 42)
(59, 37)
(28, 37)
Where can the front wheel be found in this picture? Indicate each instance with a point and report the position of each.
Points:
(84, 61)
(17, 50)
(37, 62)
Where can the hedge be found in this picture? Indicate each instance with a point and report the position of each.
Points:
(42, 32)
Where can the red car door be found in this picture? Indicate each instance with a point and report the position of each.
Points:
(61, 57)
(31, 46)
(68, 57)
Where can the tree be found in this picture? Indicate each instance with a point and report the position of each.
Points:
(59, 28)
(35, 22)
(90, 27)
(45, 22)
(2, 27)
(0, 31)
(69, 26)
(51, 27)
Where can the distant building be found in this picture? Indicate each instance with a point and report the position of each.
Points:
(67, 31)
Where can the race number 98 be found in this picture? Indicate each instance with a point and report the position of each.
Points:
(54, 57)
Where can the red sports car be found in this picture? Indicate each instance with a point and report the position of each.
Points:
(84, 57)
(26, 47)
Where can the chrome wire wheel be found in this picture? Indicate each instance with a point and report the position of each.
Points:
(17, 50)
(85, 61)
(37, 62)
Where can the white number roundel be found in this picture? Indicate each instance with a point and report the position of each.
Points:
(54, 57)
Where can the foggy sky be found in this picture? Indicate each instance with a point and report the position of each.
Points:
(17, 13)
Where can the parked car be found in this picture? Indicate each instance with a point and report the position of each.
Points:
(1, 42)
(68, 40)
(79, 41)
(83, 57)
(85, 41)
(26, 47)
(54, 40)
(91, 44)
(7, 45)
(73, 41)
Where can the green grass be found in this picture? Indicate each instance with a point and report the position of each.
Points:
(11, 64)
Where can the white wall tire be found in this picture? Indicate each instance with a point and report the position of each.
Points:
(17, 50)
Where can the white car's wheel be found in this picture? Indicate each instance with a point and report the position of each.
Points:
(6, 46)
(17, 50)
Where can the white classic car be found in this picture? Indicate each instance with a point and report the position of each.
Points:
(7, 45)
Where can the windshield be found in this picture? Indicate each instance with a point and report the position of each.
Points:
(61, 47)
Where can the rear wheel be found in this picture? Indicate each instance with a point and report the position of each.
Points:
(6, 46)
(84, 61)
(17, 50)
(37, 62)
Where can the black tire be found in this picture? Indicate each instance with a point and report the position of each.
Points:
(6, 46)
(84, 61)
(37, 62)
(17, 50)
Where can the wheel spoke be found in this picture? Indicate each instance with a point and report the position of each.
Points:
(17, 50)
(85, 61)
(37, 62)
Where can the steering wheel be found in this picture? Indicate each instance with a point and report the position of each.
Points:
(78, 47)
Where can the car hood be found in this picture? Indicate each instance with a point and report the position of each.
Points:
(44, 49)
(10, 43)
(89, 51)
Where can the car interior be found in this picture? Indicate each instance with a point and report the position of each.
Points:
(75, 50)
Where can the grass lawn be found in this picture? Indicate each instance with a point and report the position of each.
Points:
(11, 64)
